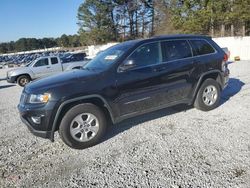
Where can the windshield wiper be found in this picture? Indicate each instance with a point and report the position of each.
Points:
(90, 68)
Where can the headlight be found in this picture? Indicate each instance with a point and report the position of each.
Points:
(9, 73)
(40, 98)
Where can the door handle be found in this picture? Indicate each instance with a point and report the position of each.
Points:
(159, 69)
(196, 62)
(48, 67)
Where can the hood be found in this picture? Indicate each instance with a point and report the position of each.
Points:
(60, 80)
(18, 71)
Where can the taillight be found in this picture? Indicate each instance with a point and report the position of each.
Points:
(224, 63)
(225, 57)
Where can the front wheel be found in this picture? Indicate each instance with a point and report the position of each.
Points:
(23, 80)
(83, 126)
(208, 96)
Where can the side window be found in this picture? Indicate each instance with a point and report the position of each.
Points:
(147, 54)
(80, 57)
(201, 47)
(42, 62)
(54, 60)
(73, 58)
(174, 50)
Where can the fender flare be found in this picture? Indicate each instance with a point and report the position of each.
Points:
(23, 74)
(201, 78)
(54, 125)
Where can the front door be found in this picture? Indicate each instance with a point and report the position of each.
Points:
(41, 68)
(136, 86)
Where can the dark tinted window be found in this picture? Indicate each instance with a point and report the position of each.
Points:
(201, 47)
(42, 62)
(147, 54)
(74, 57)
(176, 49)
(78, 57)
(54, 60)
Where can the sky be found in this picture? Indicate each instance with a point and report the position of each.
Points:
(37, 18)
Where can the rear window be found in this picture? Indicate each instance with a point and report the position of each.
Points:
(54, 60)
(174, 50)
(201, 47)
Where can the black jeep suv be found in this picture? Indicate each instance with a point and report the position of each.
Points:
(126, 80)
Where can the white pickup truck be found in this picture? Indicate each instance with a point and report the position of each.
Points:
(41, 67)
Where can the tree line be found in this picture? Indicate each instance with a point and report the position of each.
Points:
(102, 21)
(27, 44)
(119, 20)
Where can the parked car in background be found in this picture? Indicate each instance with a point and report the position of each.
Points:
(41, 67)
(124, 81)
(11, 65)
(74, 57)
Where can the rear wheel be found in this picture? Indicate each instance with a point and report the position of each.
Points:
(23, 80)
(208, 96)
(83, 126)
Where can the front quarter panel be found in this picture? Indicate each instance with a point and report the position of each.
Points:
(21, 71)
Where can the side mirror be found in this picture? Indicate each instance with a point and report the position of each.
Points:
(127, 65)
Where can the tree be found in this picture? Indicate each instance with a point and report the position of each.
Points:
(3, 48)
(96, 18)
(201, 16)
(163, 18)
(240, 13)
(64, 41)
(102, 21)
(21, 45)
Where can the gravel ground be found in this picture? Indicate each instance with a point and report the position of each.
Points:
(174, 147)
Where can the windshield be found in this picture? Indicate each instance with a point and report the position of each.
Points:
(108, 57)
(28, 64)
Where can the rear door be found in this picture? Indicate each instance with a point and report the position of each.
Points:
(175, 74)
(56, 66)
(205, 55)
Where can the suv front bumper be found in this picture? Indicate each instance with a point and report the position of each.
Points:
(43, 112)
(42, 134)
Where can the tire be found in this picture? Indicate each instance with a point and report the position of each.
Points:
(23, 80)
(77, 132)
(209, 91)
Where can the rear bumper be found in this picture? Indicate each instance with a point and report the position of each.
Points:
(225, 78)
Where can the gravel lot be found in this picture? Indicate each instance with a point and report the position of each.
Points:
(174, 147)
